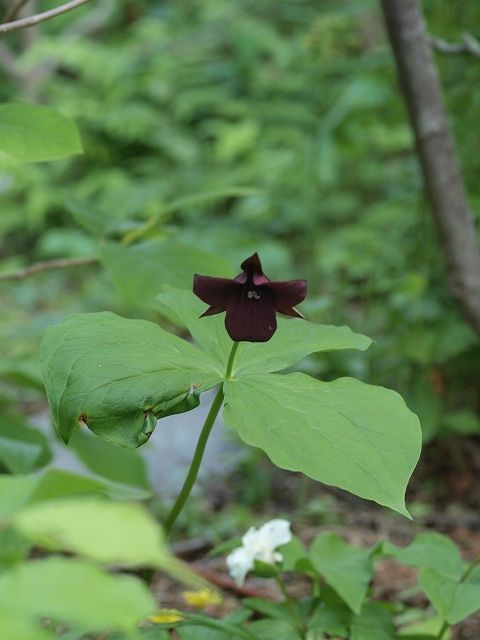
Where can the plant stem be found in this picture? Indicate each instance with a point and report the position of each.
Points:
(231, 358)
(200, 449)
(442, 630)
(292, 605)
(196, 460)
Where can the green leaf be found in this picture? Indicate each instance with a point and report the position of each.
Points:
(345, 568)
(293, 553)
(13, 547)
(18, 491)
(373, 623)
(35, 133)
(123, 466)
(111, 532)
(209, 333)
(294, 339)
(429, 551)
(275, 610)
(139, 271)
(274, 630)
(359, 437)
(22, 449)
(424, 629)
(74, 592)
(454, 600)
(118, 376)
(331, 615)
(15, 627)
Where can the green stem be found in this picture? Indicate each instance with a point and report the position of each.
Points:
(196, 460)
(200, 449)
(231, 358)
(292, 605)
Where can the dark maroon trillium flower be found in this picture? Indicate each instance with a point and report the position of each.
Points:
(251, 300)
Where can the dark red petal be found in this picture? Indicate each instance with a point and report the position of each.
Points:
(252, 263)
(213, 291)
(211, 311)
(290, 311)
(252, 267)
(288, 294)
(251, 320)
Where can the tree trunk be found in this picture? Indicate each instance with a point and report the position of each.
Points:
(440, 166)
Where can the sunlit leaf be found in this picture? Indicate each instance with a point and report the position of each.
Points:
(35, 133)
(346, 568)
(118, 376)
(75, 592)
(345, 433)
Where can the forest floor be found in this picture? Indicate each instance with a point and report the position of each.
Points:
(443, 497)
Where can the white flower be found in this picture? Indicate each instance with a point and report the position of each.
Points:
(258, 544)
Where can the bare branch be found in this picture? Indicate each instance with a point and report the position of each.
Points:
(469, 45)
(12, 12)
(40, 17)
(440, 166)
(50, 265)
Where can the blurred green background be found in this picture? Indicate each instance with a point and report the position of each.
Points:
(213, 129)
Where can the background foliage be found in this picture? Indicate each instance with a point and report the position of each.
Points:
(235, 127)
(211, 130)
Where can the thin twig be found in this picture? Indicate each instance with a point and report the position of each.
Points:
(50, 265)
(12, 12)
(469, 44)
(40, 17)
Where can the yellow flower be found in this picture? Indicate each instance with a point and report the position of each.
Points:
(166, 616)
(202, 598)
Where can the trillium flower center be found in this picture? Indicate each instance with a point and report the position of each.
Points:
(253, 295)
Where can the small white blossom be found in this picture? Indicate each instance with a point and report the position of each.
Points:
(258, 544)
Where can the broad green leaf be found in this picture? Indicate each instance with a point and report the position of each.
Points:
(294, 339)
(15, 492)
(273, 630)
(198, 633)
(454, 600)
(118, 376)
(111, 532)
(139, 271)
(13, 547)
(293, 553)
(35, 133)
(57, 483)
(346, 568)
(75, 592)
(426, 629)
(429, 550)
(359, 437)
(19, 456)
(18, 491)
(373, 623)
(124, 466)
(209, 333)
(15, 627)
(269, 609)
(331, 615)
(22, 449)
